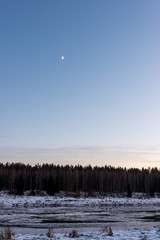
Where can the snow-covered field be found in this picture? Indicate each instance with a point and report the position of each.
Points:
(56, 201)
(117, 235)
(31, 216)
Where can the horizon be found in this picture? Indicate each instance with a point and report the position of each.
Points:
(79, 82)
(78, 165)
(62, 156)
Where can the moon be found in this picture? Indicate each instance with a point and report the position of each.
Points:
(62, 58)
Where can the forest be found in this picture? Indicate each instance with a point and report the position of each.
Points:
(18, 177)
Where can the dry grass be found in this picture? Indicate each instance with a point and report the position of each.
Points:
(6, 234)
(107, 232)
(110, 232)
(49, 234)
(73, 234)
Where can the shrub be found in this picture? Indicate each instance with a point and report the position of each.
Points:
(107, 232)
(6, 234)
(49, 234)
(74, 234)
(110, 233)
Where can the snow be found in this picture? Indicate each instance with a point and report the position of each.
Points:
(143, 231)
(56, 201)
(117, 235)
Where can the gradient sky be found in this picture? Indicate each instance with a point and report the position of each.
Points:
(101, 105)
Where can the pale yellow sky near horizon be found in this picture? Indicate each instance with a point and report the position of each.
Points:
(123, 156)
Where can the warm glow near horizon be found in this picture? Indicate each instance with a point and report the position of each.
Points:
(117, 156)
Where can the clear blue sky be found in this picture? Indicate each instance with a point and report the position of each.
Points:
(101, 105)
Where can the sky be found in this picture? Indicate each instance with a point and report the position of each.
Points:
(98, 106)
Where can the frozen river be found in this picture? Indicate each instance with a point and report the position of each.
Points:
(33, 219)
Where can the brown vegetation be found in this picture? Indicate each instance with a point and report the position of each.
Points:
(107, 232)
(49, 234)
(110, 233)
(73, 234)
(6, 234)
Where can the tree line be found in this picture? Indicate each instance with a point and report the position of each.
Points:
(18, 177)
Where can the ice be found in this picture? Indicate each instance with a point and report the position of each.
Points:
(14, 209)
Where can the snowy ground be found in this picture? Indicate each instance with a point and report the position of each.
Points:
(56, 201)
(117, 235)
(31, 216)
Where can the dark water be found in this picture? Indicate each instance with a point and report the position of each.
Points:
(82, 218)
